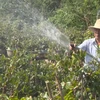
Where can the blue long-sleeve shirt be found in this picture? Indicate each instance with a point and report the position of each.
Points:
(91, 48)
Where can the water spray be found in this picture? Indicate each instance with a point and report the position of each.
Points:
(29, 22)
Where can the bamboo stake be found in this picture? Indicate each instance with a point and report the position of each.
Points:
(59, 87)
(49, 90)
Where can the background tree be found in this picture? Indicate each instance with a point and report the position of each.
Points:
(73, 17)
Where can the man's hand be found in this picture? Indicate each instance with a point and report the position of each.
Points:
(72, 47)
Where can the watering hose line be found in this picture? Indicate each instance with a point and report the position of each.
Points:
(76, 48)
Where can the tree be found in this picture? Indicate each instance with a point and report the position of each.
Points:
(46, 6)
(75, 15)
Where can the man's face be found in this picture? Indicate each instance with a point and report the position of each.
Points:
(97, 34)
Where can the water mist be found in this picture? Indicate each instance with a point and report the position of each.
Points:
(30, 22)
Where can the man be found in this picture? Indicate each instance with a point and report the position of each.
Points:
(91, 47)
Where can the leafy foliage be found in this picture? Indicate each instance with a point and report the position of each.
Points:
(39, 69)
